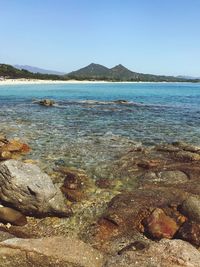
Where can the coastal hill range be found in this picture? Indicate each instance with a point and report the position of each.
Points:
(118, 73)
(92, 72)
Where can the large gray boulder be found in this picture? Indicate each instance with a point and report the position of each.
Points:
(49, 251)
(28, 189)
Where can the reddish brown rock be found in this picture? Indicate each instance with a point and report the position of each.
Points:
(25, 148)
(126, 212)
(13, 146)
(106, 230)
(158, 225)
(12, 149)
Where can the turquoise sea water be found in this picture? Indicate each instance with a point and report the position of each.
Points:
(87, 126)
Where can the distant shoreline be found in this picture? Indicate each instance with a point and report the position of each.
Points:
(35, 81)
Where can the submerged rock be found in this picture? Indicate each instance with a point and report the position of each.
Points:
(186, 146)
(28, 189)
(52, 251)
(103, 183)
(47, 102)
(76, 183)
(178, 146)
(121, 101)
(148, 164)
(167, 148)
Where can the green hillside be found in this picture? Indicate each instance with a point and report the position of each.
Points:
(11, 72)
(118, 73)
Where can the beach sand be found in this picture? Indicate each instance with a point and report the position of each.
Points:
(34, 81)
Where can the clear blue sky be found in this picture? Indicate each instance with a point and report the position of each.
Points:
(151, 36)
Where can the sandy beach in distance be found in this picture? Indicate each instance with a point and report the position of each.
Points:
(34, 81)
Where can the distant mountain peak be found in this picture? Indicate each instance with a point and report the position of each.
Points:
(93, 64)
(120, 67)
(118, 73)
(90, 70)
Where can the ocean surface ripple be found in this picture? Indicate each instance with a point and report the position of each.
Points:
(96, 122)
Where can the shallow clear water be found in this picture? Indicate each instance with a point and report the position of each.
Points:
(88, 129)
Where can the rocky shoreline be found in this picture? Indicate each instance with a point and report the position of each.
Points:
(67, 218)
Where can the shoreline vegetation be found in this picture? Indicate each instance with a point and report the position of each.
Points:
(91, 73)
